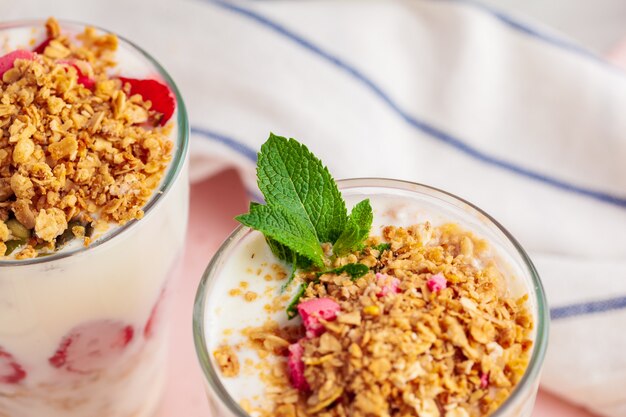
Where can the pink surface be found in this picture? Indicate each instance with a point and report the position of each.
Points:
(618, 55)
(214, 203)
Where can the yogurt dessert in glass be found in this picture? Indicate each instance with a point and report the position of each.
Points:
(258, 363)
(93, 213)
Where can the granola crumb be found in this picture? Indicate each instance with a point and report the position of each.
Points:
(227, 360)
(50, 223)
(250, 296)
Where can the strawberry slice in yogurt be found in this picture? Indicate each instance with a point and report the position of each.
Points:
(92, 346)
(40, 49)
(8, 61)
(11, 372)
(159, 94)
(155, 317)
(83, 77)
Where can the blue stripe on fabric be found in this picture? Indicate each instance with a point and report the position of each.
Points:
(254, 196)
(584, 309)
(231, 143)
(420, 125)
(234, 145)
(535, 33)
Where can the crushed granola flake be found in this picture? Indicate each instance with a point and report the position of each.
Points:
(227, 360)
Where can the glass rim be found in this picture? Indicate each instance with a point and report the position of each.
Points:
(178, 158)
(533, 370)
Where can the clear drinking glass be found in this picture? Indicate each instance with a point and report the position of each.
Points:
(83, 332)
(408, 203)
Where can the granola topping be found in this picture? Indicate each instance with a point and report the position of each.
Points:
(77, 149)
(431, 330)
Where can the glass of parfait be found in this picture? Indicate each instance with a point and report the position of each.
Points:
(93, 214)
(249, 349)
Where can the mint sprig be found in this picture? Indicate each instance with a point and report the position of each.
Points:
(304, 207)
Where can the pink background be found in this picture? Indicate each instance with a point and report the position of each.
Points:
(214, 203)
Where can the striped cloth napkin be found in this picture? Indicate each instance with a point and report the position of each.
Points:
(449, 93)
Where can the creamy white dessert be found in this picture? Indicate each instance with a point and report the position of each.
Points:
(100, 292)
(83, 329)
(247, 266)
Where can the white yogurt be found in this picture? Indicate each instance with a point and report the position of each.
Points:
(226, 316)
(50, 308)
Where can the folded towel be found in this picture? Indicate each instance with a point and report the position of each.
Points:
(448, 93)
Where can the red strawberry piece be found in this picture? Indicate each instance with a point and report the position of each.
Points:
(83, 79)
(389, 285)
(7, 61)
(155, 315)
(437, 283)
(484, 380)
(92, 346)
(10, 371)
(159, 94)
(315, 309)
(39, 49)
(296, 367)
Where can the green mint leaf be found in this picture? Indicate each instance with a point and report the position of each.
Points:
(381, 247)
(291, 177)
(279, 250)
(292, 308)
(348, 238)
(356, 230)
(12, 245)
(285, 228)
(355, 270)
(283, 253)
(292, 276)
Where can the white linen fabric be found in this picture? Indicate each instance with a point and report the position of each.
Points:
(447, 93)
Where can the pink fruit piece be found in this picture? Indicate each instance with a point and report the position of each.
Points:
(92, 346)
(315, 309)
(83, 79)
(10, 371)
(437, 283)
(389, 285)
(484, 380)
(39, 49)
(148, 330)
(159, 94)
(296, 367)
(7, 61)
